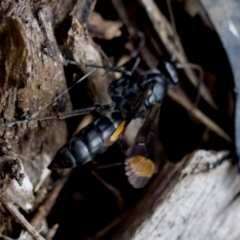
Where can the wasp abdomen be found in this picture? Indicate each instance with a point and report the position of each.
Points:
(88, 143)
(91, 137)
(63, 159)
(105, 126)
(80, 151)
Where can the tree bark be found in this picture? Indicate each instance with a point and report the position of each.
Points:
(196, 198)
(29, 80)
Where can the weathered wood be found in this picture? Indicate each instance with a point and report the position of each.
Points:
(184, 201)
(201, 205)
(30, 78)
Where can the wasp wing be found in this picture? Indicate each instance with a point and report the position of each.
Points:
(144, 156)
(122, 126)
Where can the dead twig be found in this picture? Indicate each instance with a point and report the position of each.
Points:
(46, 206)
(43, 177)
(165, 32)
(82, 9)
(6, 237)
(118, 5)
(52, 232)
(109, 227)
(182, 99)
(114, 190)
(21, 219)
(85, 53)
(103, 29)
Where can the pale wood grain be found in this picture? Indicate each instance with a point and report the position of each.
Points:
(201, 204)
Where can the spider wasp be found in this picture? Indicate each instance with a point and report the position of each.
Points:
(133, 96)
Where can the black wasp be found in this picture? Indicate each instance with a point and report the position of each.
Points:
(133, 96)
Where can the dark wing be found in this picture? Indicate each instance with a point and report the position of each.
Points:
(146, 153)
(122, 126)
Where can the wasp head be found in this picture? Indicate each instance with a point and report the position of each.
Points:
(169, 69)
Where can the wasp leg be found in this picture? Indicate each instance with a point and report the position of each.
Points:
(97, 108)
(105, 107)
(200, 79)
(118, 69)
(112, 69)
(76, 112)
(116, 192)
(106, 166)
(82, 111)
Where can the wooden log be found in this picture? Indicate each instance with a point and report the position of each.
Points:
(198, 202)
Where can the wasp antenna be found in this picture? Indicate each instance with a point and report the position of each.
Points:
(135, 65)
(200, 79)
(136, 51)
(65, 91)
(118, 69)
(112, 69)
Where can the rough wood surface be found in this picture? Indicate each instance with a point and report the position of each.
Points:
(192, 199)
(32, 76)
(29, 80)
(203, 203)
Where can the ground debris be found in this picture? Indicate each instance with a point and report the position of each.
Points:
(15, 184)
(102, 28)
(47, 46)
